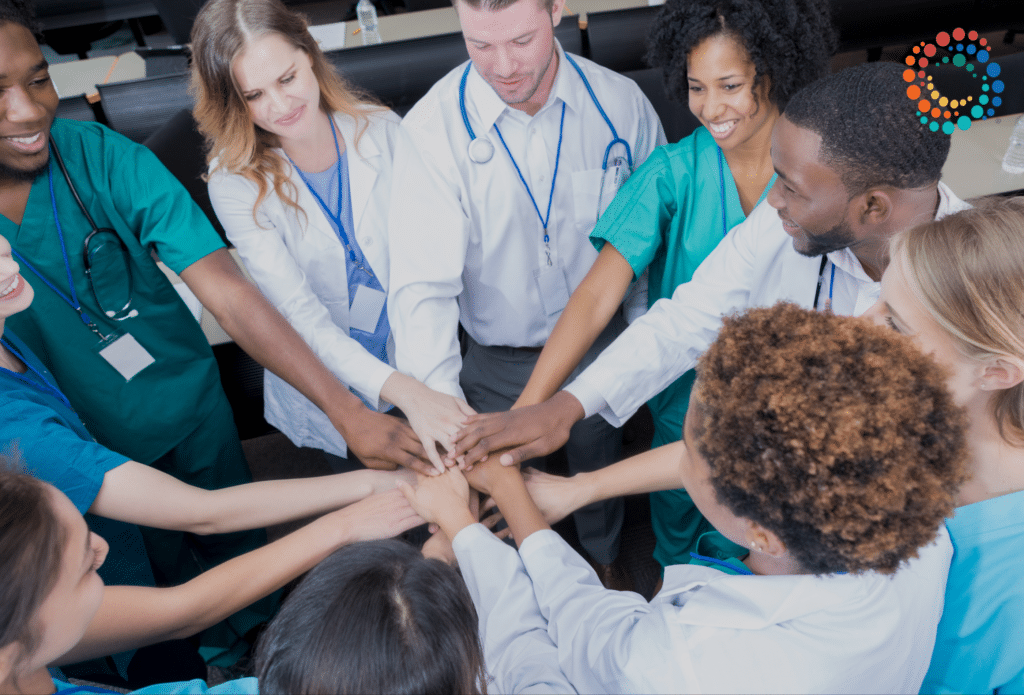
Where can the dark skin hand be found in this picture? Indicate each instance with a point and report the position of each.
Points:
(529, 432)
(379, 441)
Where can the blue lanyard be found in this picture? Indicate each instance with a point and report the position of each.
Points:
(45, 386)
(334, 215)
(721, 188)
(551, 196)
(722, 563)
(71, 301)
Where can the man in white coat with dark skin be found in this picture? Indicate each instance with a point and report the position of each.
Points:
(501, 171)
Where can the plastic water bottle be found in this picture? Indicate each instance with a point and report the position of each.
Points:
(1013, 160)
(366, 13)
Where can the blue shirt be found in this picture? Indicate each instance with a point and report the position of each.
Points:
(327, 188)
(980, 643)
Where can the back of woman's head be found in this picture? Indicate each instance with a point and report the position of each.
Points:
(967, 270)
(374, 617)
(790, 42)
(31, 547)
(836, 435)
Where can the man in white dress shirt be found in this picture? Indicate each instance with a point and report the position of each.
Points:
(500, 174)
(855, 165)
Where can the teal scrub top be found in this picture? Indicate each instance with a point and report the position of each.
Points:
(124, 187)
(666, 219)
(980, 643)
(239, 686)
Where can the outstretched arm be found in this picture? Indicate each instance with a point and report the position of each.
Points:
(380, 441)
(131, 616)
(138, 494)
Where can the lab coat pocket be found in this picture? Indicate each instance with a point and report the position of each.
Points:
(586, 196)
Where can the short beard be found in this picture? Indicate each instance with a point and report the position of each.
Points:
(540, 78)
(835, 239)
(11, 175)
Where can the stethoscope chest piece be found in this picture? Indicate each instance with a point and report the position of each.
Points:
(481, 150)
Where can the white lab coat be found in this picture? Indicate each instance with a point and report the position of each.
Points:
(755, 265)
(466, 240)
(708, 631)
(299, 264)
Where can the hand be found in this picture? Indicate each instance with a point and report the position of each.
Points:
(487, 476)
(440, 548)
(556, 497)
(435, 417)
(386, 481)
(434, 498)
(379, 516)
(382, 442)
(527, 432)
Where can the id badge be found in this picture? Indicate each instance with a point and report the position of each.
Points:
(364, 313)
(554, 290)
(611, 181)
(125, 354)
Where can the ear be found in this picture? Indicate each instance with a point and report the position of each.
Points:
(875, 207)
(761, 540)
(1002, 373)
(556, 11)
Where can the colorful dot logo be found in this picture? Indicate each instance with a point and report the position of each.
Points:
(937, 110)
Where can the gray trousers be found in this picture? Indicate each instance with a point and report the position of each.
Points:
(492, 378)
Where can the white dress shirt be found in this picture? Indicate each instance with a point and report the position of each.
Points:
(755, 265)
(708, 631)
(519, 655)
(466, 240)
(298, 262)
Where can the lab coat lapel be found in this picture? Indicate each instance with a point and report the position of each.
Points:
(361, 170)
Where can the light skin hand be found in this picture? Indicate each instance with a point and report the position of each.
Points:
(435, 417)
(556, 497)
(442, 499)
(379, 516)
(526, 432)
(439, 547)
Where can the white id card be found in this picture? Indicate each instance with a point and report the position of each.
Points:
(365, 310)
(126, 356)
(554, 290)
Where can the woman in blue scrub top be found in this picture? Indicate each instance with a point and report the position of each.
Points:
(957, 287)
(737, 63)
(300, 178)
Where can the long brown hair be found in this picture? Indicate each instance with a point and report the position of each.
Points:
(967, 270)
(221, 32)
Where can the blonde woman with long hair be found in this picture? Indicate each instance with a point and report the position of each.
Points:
(300, 178)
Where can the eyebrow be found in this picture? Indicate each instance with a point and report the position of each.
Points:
(41, 65)
(514, 38)
(287, 70)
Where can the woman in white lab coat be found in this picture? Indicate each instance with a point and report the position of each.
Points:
(300, 177)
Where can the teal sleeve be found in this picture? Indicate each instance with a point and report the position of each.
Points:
(639, 217)
(53, 452)
(239, 686)
(156, 206)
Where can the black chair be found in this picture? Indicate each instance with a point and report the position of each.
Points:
(675, 116)
(137, 108)
(618, 38)
(76, 108)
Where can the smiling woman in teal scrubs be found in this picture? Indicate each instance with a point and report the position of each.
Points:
(738, 62)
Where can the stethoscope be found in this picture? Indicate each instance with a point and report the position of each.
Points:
(103, 235)
(481, 150)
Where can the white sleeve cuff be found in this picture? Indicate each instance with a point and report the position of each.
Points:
(588, 396)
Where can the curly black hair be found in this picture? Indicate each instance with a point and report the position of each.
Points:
(789, 41)
(870, 131)
(836, 435)
(20, 12)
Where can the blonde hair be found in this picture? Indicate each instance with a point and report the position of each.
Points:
(967, 270)
(221, 32)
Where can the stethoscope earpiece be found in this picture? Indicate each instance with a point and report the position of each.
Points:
(481, 150)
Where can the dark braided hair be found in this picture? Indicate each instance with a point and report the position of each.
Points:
(870, 132)
(20, 12)
(789, 41)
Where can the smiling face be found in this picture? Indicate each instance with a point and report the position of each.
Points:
(810, 197)
(28, 103)
(70, 606)
(722, 92)
(276, 80)
(513, 49)
(15, 294)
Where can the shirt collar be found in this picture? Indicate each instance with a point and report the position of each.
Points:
(489, 107)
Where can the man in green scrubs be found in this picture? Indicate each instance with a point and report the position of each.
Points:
(144, 380)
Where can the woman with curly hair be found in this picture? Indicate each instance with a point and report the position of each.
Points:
(739, 62)
(300, 178)
(957, 287)
(830, 451)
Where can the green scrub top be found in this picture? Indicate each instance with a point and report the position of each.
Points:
(666, 219)
(124, 187)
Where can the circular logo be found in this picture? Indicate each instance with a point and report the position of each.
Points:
(938, 110)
